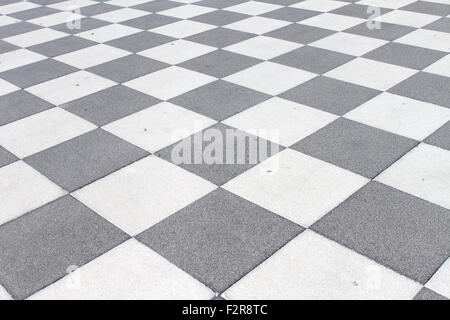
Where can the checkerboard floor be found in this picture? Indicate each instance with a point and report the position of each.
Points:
(354, 203)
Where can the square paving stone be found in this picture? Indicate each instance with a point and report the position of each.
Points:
(44, 245)
(393, 228)
(220, 37)
(127, 68)
(20, 104)
(426, 87)
(291, 14)
(36, 73)
(218, 168)
(427, 294)
(84, 159)
(220, 99)
(357, 11)
(6, 47)
(300, 33)
(330, 95)
(220, 17)
(442, 25)
(405, 55)
(14, 29)
(220, 63)
(149, 21)
(6, 157)
(110, 105)
(313, 59)
(157, 5)
(86, 24)
(388, 31)
(140, 41)
(441, 138)
(219, 238)
(61, 46)
(356, 147)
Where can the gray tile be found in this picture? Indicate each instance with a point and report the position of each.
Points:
(442, 25)
(110, 105)
(220, 99)
(127, 68)
(357, 11)
(37, 72)
(313, 59)
(14, 29)
(84, 159)
(300, 33)
(427, 294)
(405, 55)
(158, 5)
(219, 4)
(38, 248)
(6, 47)
(356, 147)
(281, 2)
(149, 21)
(86, 24)
(387, 31)
(44, 2)
(20, 104)
(6, 157)
(291, 14)
(61, 46)
(441, 138)
(220, 171)
(99, 8)
(437, 9)
(140, 41)
(220, 17)
(33, 13)
(220, 63)
(405, 233)
(220, 37)
(435, 91)
(219, 238)
(330, 95)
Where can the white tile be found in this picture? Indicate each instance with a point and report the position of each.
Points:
(17, 7)
(6, 87)
(296, 186)
(407, 18)
(372, 74)
(440, 67)
(423, 172)
(126, 3)
(291, 121)
(258, 25)
(169, 82)
(144, 193)
(4, 295)
(282, 78)
(386, 3)
(159, 126)
(70, 87)
(5, 20)
(18, 58)
(92, 56)
(262, 47)
(120, 15)
(349, 43)
(182, 29)
(131, 271)
(320, 5)
(253, 8)
(23, 189)
(70, 4)
(313, 267)
(186, 11)
(40, 131)
(404, 116)
(177, 51)
(109, 32)
(332, 21)
(440, 282)
(32, 38)
(430, 39)
(56, 18)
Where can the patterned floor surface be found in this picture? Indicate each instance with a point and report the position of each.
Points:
(97, 98)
